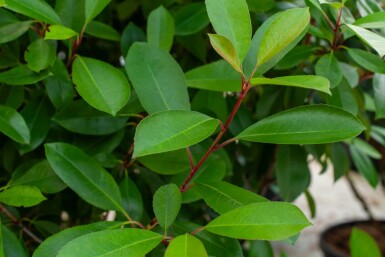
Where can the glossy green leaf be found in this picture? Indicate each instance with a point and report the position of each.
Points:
(157, 78)
(370, 38)
(92, 145)
(292, 171)
(131, 198)
(363, 244)
(37, 115)
(379, 95)
(329, 67)
(372, 21)
(130, 35)
(166, 204)
(366, 148)
(160, 28)
(102, 30)
(167, 163)
(72, 13)
(295, 57)
(59, 87)
(127, 242)
(94, 7)
(13, 125)
(304, 81)
(313, 124)
(217, 76)
(269, 224)
(224, 197)
(51, 246)
(22, 75)
(190, 19)
(81, 118)
(186, 246)
(22, 195)
(210, 103)
(343, 97)
(59, 32)
(12, 96)
(340, 159)
(214, 244)
(41, 176)
(2, 3)
(364, 165)
(9, 32)
(231, 19)
(275, 38)
(175, 130)
(367, 60)
(100, 84)
(225, 48)
(84, 175)
(13, 247)
(260, 5)
(36, 9)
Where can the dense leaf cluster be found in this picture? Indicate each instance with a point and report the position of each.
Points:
(168, 127)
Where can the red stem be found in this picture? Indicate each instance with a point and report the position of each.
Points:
(214, 145)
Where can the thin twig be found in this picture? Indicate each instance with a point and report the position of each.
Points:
(20, 224)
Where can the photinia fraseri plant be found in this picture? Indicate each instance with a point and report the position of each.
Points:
(115, 129)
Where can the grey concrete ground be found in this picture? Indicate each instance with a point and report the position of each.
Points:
(335, 203)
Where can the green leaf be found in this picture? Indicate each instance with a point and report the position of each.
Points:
(101, 85)
(102, 30)
(2, 3)
(36, 9)
(275, 38)
(292, 171)
(225, 48)
(214, 244)
(131, 198)
(186, 246)
(22, 195)
(366, 148)
(167, 163)
(370, 38)
(37, 115)
(190, 19)
(295, 57)
(21, 75)
(372, 21)
(84, 175)
(130, 35)
(260, 249)
(363, 245)
(166, 203)
(40, 55)
(127, 242)
(231, 19)
(72, 13)
(59, 87)
(216, 76)
(175, 130)
(11, 31)
(81, 118)
(260, 5)
(329, 67)
(379, 95)
(224, 197)
(59, 32)
(160, 28)
(313, 124)
(157, 78)
(304, 81)
(13, 247)
(364, 165)
(343, 97)
(367, 60)
(94, 7)
(41, 176)
(13, 125)
(51, 246)
(340, 159)
(269, 224)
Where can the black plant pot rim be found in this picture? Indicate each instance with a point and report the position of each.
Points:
(327, 249)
